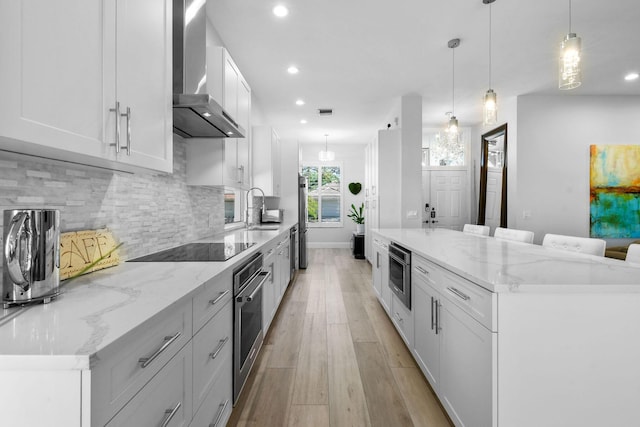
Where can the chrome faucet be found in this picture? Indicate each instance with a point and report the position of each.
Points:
(263, 205)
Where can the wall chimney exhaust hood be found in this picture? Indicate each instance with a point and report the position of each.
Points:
(195, 113)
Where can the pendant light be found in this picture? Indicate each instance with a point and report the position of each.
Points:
(570, 73)
(452, 128)
(490, 108)
(326, 155)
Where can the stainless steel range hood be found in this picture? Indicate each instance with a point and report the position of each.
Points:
(195, 113)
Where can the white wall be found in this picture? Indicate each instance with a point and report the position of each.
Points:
(411, 155)
(352, 158)
(553, 138)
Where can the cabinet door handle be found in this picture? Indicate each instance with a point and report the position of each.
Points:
(398, 317)
(432, 314)
(438, 305)
(223, 407)
(128, 116)
(218, 349)
(421, 270)
(377, 259)
(117, 111)
(170, 413)
(219, 297)
(145, 361)
(458, 293)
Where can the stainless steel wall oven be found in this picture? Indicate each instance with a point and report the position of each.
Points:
(400, 273)
(247, 321)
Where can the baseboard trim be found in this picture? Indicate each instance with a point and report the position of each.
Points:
(328, 245)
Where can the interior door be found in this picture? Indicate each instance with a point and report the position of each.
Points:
(449, 196)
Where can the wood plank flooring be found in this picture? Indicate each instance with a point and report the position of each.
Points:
(333, 358)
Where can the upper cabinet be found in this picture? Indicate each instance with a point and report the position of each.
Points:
(266, 160)
(223, 161)
(88, 82)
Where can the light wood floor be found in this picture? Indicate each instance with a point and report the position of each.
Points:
(332, 357)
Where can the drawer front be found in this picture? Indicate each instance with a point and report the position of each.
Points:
(471, 298)
(218, 403)
(403, 320)
(124, 368)
(212, 352)
(426, 270)
(214, 295)
(165, 400)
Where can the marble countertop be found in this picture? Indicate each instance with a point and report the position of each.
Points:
(97, 309)
(504, 266)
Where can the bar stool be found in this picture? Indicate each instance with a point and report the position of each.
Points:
(523, 236)
(480, 230)
(633, 253)
(584, 245)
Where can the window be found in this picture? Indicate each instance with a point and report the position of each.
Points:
(438, 150)
(324, 195)
(233, 203)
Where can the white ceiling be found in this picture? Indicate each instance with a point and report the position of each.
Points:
(359, 56)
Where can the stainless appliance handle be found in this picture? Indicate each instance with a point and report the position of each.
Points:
(117, 111)
(17, 232)
(398, 259)
(145, 361)
(265, 275)
(128, 116)
(170, 413)
(218, 349)
(223, 407)
(219, 297)
(458, 293)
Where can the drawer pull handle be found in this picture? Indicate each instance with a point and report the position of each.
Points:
(145, 361)
(223, 407)
(458, 293)
(220, 296)
(398, 317)
(170, 414)
(221, 344)
(421, 270)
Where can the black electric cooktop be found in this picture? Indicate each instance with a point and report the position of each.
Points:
(197, 252)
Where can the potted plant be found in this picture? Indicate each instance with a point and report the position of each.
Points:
(356, 215)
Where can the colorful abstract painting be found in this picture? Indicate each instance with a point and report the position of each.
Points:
(615, 191)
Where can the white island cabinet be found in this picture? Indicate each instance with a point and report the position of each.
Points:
(512, 334)
(88, 82)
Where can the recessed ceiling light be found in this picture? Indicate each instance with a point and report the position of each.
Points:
(631, 76)
(303, 121)
(206, 114)
(229, 133)
(280, 11)
(299, 102)
(293, 70)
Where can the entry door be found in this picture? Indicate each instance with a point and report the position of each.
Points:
(449, 197)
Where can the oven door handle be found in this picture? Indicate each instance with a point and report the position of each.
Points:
(398, 259)
(263, 276)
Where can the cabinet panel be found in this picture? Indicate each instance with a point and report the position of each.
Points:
(167, 397)
(212, 352)
(466, 367)
(402, 318)
(213, 295)
(216, 408)
(426, 347)
(269, 292)
(266, 160)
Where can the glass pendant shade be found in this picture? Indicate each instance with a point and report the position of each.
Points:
(570, 73)
(452, 130)
(326, 155)
(490, 110)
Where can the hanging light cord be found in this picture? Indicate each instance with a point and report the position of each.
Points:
(326, 144)
(453, 82)
(569, 16)
(489, 45)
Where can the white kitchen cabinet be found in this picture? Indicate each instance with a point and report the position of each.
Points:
(165, 400)
(270, 289)
(285, 266)
(88, 82)
(266, 160)
(402, 318)
(381, 271)
(452, 348)
(223, 161)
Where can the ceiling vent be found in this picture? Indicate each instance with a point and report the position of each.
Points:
(325, 111)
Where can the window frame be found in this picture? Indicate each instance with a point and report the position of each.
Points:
(319, 164)
(239, 208)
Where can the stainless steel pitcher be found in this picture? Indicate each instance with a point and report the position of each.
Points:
(31, 270)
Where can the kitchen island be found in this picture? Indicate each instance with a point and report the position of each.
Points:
(60, 354)
(512, 334)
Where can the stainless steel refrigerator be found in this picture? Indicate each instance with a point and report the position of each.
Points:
(302, 221)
